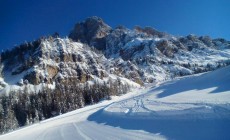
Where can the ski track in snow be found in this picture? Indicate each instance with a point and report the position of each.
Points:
(70, 127)
(169, 111)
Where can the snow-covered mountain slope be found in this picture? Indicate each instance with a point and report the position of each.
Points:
(146, 55)
(152, 58)
(193, 107)
(54, 60)
(96, 52)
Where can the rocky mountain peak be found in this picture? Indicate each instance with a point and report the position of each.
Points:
(142, 55)
(91, 31)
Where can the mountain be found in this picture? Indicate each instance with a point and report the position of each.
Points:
(96, 52)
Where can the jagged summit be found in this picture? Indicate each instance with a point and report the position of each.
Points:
(91, 31)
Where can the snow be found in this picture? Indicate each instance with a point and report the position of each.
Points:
(29, 88)
(192, 107)
(74, 125)
(137, 41)
(191, 92)
(2, 83)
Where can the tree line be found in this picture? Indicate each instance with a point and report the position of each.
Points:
(21, 108)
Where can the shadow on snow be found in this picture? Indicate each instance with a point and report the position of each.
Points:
(198, 129)
(219, 80)
(171, 129)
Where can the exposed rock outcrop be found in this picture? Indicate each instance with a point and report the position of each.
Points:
(150, 31)
(92, 31)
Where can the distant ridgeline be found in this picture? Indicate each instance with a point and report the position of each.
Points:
(54, 75)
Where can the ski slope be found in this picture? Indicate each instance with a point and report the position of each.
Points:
(76, 126)
(194, 107)
(204, 95)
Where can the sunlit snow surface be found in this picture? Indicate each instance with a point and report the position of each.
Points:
(191, 108)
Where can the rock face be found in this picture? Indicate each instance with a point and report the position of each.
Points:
(150, 31)
(96, 52)
(91, 31)
(33, 78)
(52, 71)
(165, 48)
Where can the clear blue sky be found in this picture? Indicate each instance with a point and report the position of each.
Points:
(22, 20)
